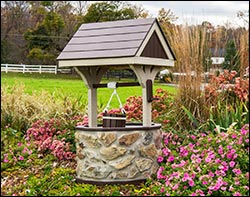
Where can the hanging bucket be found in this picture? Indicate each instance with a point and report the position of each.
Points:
(114, 120)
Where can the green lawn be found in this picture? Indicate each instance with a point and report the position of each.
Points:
(72, 86)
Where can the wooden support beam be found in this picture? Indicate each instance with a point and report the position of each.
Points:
(126, 84)
(91, 75)
(145, 73)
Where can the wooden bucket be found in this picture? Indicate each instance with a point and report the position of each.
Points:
(114, 120)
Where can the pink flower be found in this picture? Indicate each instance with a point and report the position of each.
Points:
(211, 174)
(160, 159)
(19, 144)
(231, 164)
(175, 187)
(162, 190)
(232, 151)
(220, 151)
(237, 194)
(21, 158)
(234, 136)
(166, 151)
(223, 188)
(229, 155)
(237, 171)
(204, 182)
(170, 158)
(191, 183)
(208, 159)
(198, 160)
(5, 160)
(235, 156)
(243, 130)
(217, 160)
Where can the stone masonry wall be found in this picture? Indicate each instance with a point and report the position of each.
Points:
(117, 155)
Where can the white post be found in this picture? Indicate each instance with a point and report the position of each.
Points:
(144, 73)
(92, 107)
(91, 75)
(40, 69)
(23, 68)
(55, 70)
(6, 68)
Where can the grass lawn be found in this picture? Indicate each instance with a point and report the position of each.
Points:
(73, 86)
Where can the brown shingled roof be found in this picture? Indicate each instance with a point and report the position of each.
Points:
(112, 39)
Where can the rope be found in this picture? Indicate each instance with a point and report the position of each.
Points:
(121, 107)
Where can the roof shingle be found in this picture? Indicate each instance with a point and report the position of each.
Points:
(107, 39)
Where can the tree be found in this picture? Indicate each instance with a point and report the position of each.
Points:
(166, 17)
(44, 39)
(108, 11)
(232, 61)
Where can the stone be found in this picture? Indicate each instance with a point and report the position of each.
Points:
(108, 138)
(148, 151)
(119, 175)
(122, 163)
(90, 141)
(129, 139)
(80, 156)
(147, 139)
(154, 168)
(93, 170)
(133, 171)
(143, 164)
(158, 139)
(112, 152)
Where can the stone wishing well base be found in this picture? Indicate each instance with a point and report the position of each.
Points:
(117, 155)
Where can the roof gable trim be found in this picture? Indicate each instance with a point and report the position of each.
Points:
(155, 28)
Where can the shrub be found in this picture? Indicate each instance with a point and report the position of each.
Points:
(161, 108)
(20, 110)
(205, 164)
(227, 87)
(52, 137)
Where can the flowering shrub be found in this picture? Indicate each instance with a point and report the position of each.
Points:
(48, 137)
(227, 85)
(161, 108)
(205, 164)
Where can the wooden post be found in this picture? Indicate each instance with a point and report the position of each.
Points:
(91, 75)
(144, 73)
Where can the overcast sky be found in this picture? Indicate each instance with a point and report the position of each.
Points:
(194, 12)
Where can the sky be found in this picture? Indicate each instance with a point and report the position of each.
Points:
(195, 12)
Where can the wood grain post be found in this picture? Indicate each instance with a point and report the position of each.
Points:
(91, 75)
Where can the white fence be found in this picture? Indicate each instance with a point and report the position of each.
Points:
(32, 68)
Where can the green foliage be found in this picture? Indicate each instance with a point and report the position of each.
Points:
(53, 23)
(38, 37)
(232, 60)
(223, 116)
(15, 152)
(43, 39)
(107, 11)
